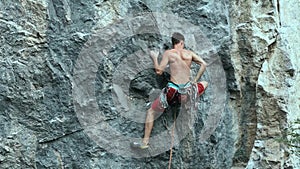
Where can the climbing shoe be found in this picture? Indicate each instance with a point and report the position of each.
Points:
(139, 145)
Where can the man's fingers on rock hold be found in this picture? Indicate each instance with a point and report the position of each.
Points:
(154, 53)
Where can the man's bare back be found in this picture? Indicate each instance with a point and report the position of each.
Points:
(180, 62)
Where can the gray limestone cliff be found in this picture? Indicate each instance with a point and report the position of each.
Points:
(76, 81)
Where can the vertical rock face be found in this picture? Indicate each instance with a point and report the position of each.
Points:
(43, 43)
(254, 35)
(266, 71)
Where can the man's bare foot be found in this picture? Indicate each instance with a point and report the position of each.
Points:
(146, 141)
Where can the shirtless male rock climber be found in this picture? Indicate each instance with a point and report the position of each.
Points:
(179, 60)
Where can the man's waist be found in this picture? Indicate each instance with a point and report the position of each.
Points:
(181, 88)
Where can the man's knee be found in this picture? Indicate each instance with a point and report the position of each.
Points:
(151, 111)
(152, 115)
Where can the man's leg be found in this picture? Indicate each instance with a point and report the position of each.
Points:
(148, 125)
(152, 112)
(150, 116)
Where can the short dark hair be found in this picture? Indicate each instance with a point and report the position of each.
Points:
(176, 38)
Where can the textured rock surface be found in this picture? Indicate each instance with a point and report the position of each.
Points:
(267, 72)
(41, 42)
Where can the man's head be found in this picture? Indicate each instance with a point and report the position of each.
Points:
(177, 38)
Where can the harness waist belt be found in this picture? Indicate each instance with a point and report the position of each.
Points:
(181, 88)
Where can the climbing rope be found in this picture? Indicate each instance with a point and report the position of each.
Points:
(172, 142)
(193, 96)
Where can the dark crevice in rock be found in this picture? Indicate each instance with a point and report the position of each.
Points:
(45, 141)
(247, 115)
(278, 10)
(145, 81)
(232, 85)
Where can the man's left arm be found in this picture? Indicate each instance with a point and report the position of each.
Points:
(202, 63)
(159, 67)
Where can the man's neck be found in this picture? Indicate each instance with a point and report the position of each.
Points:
(177, 48)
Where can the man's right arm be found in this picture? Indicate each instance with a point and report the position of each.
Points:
(202, 64)
(159, 68)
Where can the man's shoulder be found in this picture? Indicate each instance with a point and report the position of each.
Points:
(188, 51)
(173, 51)
(168, 52)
